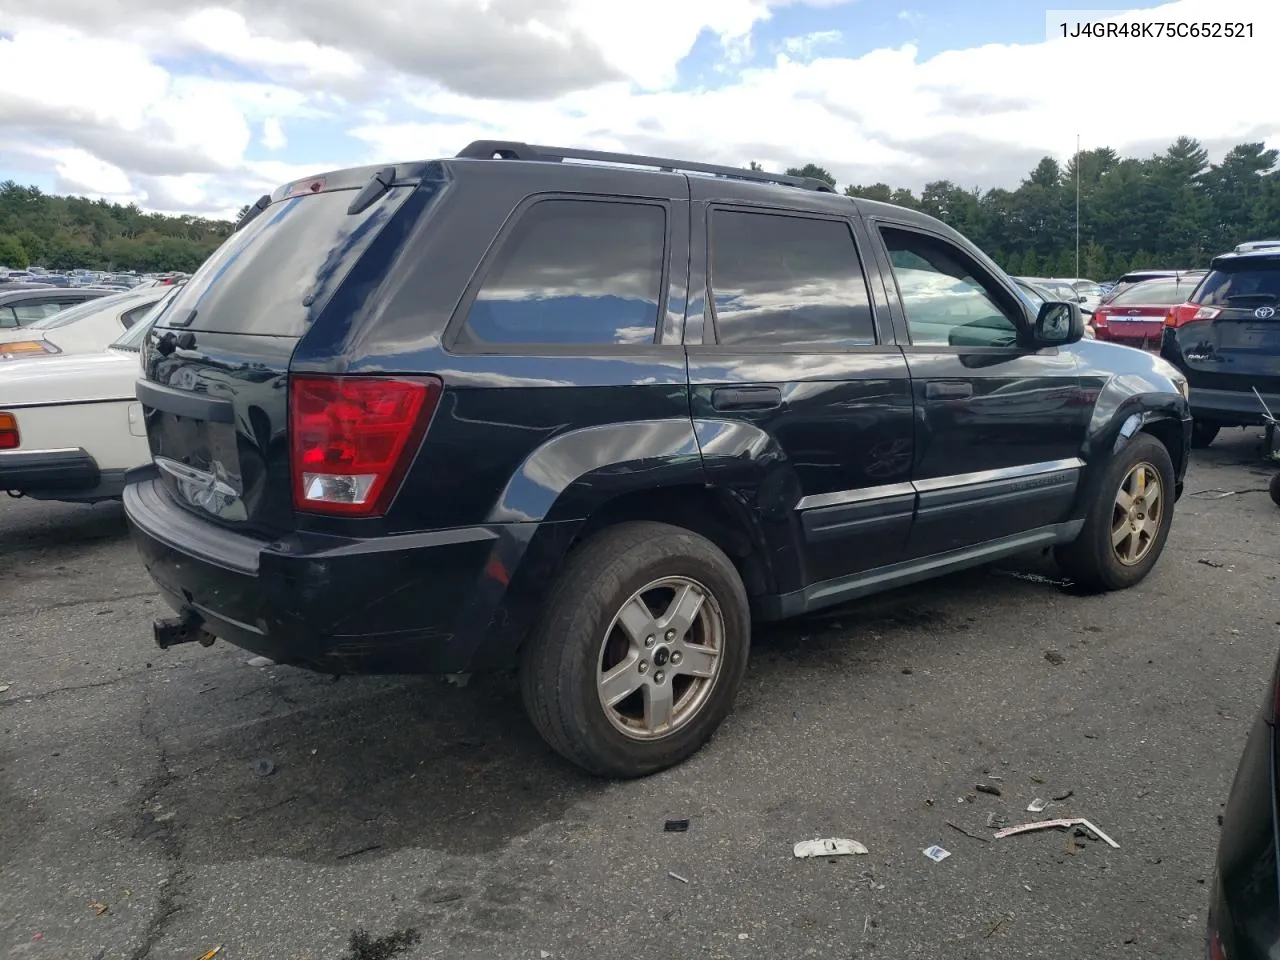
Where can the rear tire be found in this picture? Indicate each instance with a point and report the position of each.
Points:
(1203, 434)
(1274, 489)
(639, 652)
(1123, 535)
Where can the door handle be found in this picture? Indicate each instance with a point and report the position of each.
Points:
(746, 398)
(948, 390)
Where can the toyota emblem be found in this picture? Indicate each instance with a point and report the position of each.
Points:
(1265, 313)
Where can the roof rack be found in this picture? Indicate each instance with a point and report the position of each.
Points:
(514, 150)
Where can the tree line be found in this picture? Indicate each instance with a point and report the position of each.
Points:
(65, 233)
(1172, 209)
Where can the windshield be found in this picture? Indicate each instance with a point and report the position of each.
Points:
(132, 338)
(1158, 292)
(1242, 285)
(1087, 288)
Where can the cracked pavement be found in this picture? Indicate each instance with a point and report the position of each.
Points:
(129, 777)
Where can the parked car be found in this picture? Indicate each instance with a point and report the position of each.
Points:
(1244, 906)
(88, 327)
(1226, 341)
(1251, 245)
(1089, 292)
(1136, 318)
(1138, 276)
(23, 304)
(71, 426)
(622, 412)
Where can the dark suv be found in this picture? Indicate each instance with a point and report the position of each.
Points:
(589, 419)
(1226, 341)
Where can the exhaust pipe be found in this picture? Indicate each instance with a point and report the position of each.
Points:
(187, 627)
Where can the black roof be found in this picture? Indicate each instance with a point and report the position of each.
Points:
(1246, 258)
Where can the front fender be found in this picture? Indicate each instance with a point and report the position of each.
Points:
(574, 472)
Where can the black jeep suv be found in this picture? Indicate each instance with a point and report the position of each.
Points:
(590, 418)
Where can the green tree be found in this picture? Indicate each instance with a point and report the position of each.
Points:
(12, 252)
(813, 171)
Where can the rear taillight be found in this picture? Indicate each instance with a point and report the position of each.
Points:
(1213, 946)
(1186, 312)
(1100, 317)
(10, 439)
(17, 349)
(351, 439)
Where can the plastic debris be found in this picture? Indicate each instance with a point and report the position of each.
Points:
(1056, 824)
(936, 853)
(264, 767)
(210, 954)
(960, 829)
(4, 688)
(1211, 563)
(828, 848)
(676, 826)
(996, 820)
(1037, 805)
(988, 788)
(260, 662)
(675, 876)
(98, 908)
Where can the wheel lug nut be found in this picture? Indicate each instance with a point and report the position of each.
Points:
(671, 634)
(650, 641)
(644, 666)
(659, 677)
(676, 656)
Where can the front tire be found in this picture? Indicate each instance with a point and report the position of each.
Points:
(1203, 434)
(1128, 522)
(640, 651)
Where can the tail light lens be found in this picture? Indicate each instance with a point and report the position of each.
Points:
(1100, 317)
(1186, 312)
(352, 439)
(10, 439)
(26, 348)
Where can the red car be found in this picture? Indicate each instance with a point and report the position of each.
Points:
(1136, 317)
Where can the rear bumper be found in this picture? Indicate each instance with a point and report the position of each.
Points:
(69, 474)
(434, 602)
(1236, 408)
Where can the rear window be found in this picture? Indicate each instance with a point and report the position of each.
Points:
(1157, 292)
(88, 308)
(275, 275)
(1254, 285)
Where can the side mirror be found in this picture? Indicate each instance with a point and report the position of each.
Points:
(1057, 324)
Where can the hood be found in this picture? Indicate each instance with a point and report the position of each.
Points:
(110, 375)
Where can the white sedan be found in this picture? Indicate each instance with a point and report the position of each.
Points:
(88, 327)
(71, 426)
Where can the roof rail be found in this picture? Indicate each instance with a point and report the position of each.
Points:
(514, 150)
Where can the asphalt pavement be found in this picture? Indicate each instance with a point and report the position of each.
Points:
(156, 805)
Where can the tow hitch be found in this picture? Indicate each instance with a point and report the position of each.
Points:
(188, 627)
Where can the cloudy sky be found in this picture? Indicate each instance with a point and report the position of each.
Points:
(201, 105)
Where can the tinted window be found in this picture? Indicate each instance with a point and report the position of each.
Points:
(574, 272)
(948, 300)
(1156, 292)
(276, 274)
(1255, 285)
(8, 319)
(86, 308)
(782, 281)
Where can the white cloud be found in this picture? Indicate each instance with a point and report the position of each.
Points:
(273, 137)
(801, 48)
(83, 90)
(910, 16)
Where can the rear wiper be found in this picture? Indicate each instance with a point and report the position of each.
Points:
(264, 201)
(378, 184)
(1255, 297)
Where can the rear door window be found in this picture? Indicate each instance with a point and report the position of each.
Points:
(1242, 286)
(787, 281)
(573, 272)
